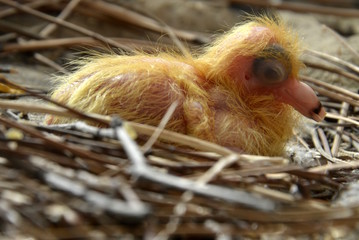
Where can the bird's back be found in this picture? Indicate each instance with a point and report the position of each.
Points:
(137, 88)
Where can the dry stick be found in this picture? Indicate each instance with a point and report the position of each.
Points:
(334, 95)
(222, 163)
(63, 15)
(170, 31)
(12, 27)
(334, 60)
(45, 32)
(45, 98)
(166, 135)
(342, 40)
(33, 4)
(74, 41)
(45, 60)
(130, 206)
(301, 7)
(134, 18)
(339, 71)
(346, 136)
(49, 62)
(349, 120)
(301, 140)
(74, 150)
(336, 166)
(339, 131)
(330, 87)
(7, 37)
(324, 141)
(141, 169)
(147, 146)
(319, 147)
(63, 23)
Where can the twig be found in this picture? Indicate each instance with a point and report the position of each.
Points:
(12, 27)
(147, 146)
(76, 41)
(301, 7)
(333, 95)
(74, 150)
(339, 131)
(345, 119)
(63, 23)
(140, 128)
(33, 4)
(127, 209)
(63, 15)
(49, 62)
(324, 141)
(320, 149)
(332, 69)
(141, 169)
(222, 163)
(48, 29)
(331, 87)
(45, 98)
(342, 40)
(172, 34)
(126, 15)
(336, 166)
(334, 60)
(45, 60)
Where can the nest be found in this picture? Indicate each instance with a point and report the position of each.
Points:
(76, 181)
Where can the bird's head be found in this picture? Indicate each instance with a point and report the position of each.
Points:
(261, 57)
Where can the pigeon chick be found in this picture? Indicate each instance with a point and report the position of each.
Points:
(241, 93)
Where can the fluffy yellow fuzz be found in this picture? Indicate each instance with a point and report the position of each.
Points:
(140, 88)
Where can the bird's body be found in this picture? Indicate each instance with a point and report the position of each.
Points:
(220, 93)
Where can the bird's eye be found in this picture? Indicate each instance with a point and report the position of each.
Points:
(269, 71)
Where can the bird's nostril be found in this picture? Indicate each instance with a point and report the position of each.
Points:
(318, 109)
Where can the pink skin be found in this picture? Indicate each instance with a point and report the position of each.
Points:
(300, 96)
(291, 91)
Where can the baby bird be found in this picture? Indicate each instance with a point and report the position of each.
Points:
(240, 93)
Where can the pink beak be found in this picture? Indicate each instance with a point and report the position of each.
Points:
(302, 98)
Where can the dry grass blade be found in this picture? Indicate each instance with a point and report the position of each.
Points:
(140, 128)
(331, 87)
(33, 4)
(342, 40)
(63, 23)
(302, 7)
(75, 42)
(47, 99)
(334, 60)
(339, 130)
(160, 127)
(336, 70)
(63, 15)
(124, 14)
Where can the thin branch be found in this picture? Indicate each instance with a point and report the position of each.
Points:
(336, 70)
(301, 7)
(47, 99)
(142, 170)
(339, 130)
(63, 23)
(63, 15)
(334, 60)
(342, 40)
(76, 41)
